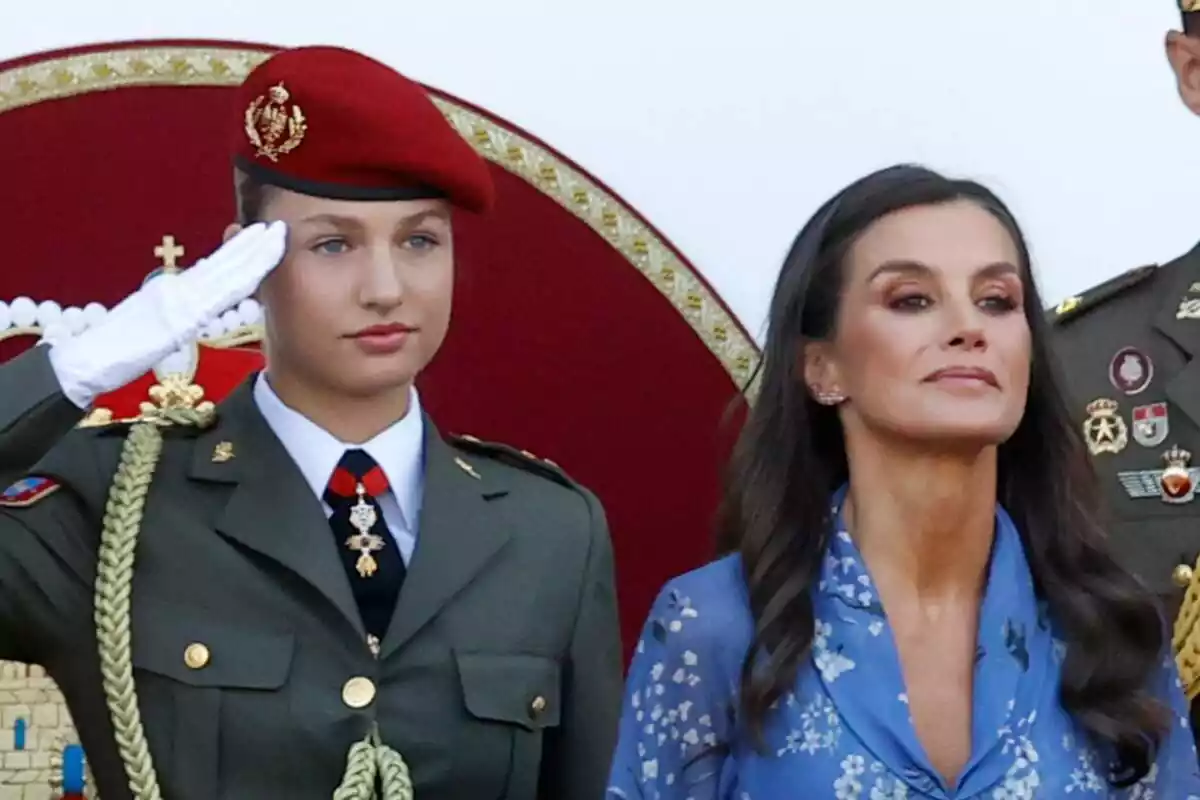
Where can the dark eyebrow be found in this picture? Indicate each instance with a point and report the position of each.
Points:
(340, 221)
(431, 213)
(336, 220)
(917, 268)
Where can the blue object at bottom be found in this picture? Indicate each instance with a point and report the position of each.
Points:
(73, 770)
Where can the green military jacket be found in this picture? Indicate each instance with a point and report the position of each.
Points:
(231, 657)
(1129, 350)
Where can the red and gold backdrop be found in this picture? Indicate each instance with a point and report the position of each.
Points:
(580, 334)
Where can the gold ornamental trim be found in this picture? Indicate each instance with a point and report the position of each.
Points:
(615, 222)
(68, 76)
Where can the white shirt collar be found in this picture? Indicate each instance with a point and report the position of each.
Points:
(399, 450)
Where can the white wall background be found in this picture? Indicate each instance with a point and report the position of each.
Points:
(726, 124)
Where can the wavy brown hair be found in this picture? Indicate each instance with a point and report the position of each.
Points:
(791, 456)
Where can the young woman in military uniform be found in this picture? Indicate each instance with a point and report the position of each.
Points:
(307, 591)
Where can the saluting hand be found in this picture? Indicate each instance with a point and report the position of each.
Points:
(165, 314)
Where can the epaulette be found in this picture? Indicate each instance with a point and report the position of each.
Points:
(507, 454)
(27, 491)
(105, 425)
(1076, 305)
(102, 422)
(111, 429)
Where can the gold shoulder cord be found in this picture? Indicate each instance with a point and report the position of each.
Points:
(367, 761)
(1186, 638)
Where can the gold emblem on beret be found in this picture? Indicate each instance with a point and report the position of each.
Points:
(1189, 5)
(274, 124)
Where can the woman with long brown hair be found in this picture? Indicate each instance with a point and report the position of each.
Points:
(920, 601)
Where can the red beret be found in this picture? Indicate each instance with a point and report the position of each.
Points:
(330, 122)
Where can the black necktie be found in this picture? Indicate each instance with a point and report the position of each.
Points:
(369, 553)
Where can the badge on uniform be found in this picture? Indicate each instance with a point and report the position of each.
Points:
(363, 518)
(1189, 304)
(1104, 430)
(1150, 424)
(1174, 483)
(467, 468)
(27, 491)
(1130, 370)
(1067, 306)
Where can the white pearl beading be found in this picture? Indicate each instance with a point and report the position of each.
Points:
(49, 320)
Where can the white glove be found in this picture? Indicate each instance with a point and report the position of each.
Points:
(164, 315)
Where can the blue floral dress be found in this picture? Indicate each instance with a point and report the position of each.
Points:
(845, 732)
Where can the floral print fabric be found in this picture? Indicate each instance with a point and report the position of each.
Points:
(844, 732)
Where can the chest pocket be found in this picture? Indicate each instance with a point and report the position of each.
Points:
(512, 700)
(200, 679)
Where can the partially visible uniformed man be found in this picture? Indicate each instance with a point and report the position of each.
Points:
(1130, 350)
(307, 591)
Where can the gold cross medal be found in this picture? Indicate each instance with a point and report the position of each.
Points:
(363, 518)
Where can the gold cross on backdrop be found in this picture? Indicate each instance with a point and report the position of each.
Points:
(168, 251)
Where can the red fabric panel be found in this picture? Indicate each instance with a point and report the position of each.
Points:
(92, 183)
(219, 371)
(558, 344)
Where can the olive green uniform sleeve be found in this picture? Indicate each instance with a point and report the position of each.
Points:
(45, 564)
(34, 413)
(580, 751)
(44, 558)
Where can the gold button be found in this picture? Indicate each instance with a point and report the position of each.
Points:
(537, 706)
(196, 656)
(1182, 576)
(358, 692)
